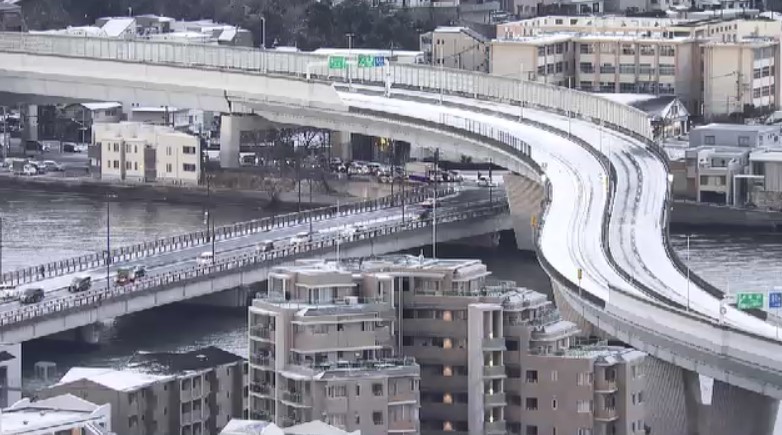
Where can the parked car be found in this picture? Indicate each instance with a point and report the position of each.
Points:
(80, 284)
(31, 295)
(265, 246)
(69, 147)
(428, 203)
(52, 166)
(206, 258)
(139, 272)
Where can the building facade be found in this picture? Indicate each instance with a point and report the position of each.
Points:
(493, 358)
(456, 47)
(716, 66)
(191, 393)
(131, 151)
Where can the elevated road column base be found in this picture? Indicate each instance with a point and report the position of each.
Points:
(231, 128)
(525, 198)
(88, 334)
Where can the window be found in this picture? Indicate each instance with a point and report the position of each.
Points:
(188, 150)
(756, 93)
(188, 167)
(560, 47)
(554, 376)
(531, 403)
(337, 391)
(135, 149)
(640, 397)
(116, 147)
(532, 376)
(116, 164)
(704, 180)
(667, 70)
(377, 389)
(127, 165)
(743, 141)
(132, 398)
(512, 344)
(585, 378)
(607, 68)
(559, 67)
(358, 390)
(756, 73)
(586, 49)
(377, 417)
(709, 140)
(541, 51)
(531, 430)
(168, 151)
(647, 50)
(626, 68)
(584, 431)
(667, 51)
(628, 50)
(133, 421)
(586, 67)
(586, 86)
(584, 406)
(168, 167)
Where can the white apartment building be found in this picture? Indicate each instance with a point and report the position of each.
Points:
(716, 67)
(63, 414)
(132, 151)
(456, 47)
(10, 374)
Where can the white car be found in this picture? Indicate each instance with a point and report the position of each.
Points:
(484, 182)
(29, 170)
(300, 239)
(206, 258)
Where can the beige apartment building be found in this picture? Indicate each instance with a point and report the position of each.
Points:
(193, 393)
(456, 47)
(715, 67)
(494, 358)
(137, 152)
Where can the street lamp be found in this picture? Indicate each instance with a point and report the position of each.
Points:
(688, 272)
(263, 32)
(350, 50)
(108, 240)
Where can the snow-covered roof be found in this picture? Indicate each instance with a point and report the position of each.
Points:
(250, 427)
(59, 413)
(115, 27)
(119, 380)
(317, 427)
(228, 34)
(101, 106)
(766, 156)
(156, 109)
(627, 99)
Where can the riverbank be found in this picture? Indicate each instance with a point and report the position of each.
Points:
(343, 191)
(688, 214)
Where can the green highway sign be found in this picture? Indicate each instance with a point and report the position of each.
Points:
(366, 61)
(746, 301)
(337, 62)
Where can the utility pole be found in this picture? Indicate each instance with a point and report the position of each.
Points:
(263, 32)
(108, 242)
(434, 203)
(350, 56)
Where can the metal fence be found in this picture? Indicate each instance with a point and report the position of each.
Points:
(310, 66)
(92, 298)
(197, 238)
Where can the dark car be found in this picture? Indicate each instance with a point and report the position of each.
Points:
(80, 284)
(31, 295)
(139, 272)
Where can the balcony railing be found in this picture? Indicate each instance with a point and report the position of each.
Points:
(402, 426)
(606, 413)
(494, 372)
(261, 388)
(262, 360)
(262, 331)
(296, 397)
(493, 343)
(494, 427)
(496, 399)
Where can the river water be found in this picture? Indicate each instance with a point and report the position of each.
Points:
(40, 227)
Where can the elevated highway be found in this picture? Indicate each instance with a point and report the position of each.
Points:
(602, 236)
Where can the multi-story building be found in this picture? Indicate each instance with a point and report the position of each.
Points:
(322, 347)
(191, 393)
(10, 373)
(56, 415)
(131, 151)
(712, 171)
(716, 67)
(493, 358)
(456, 47)
(765, 190)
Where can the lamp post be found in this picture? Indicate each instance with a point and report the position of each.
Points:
(350, 56)
(108, 240)
(688, 272)
(434, 203)
(263, 32)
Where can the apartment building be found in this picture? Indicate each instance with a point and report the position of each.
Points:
(715, 66)
(190, 393)
(132, 151)
(322, 347)
(493, 358)
(10, 374)
(456, 47)
(765, 174)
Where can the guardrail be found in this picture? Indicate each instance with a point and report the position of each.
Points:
(175, 243)
(232, 264)
(307, 65)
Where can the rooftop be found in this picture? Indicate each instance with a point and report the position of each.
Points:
(250, 427)
(604, 354)
(101, 106)
(172, 363)
(118, 380)
(737, 127)
(59, 413)
(352, 369)
(766, 156)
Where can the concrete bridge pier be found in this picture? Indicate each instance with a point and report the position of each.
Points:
(682, 402)
(525, 198)
(489, 240)
(341, 145)
(237, 297)
(231, 128)
(29, 116)
(88, 334)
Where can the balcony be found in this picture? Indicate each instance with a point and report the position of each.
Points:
(262, 332)
(296, 398)
(494, 343)
(606, 414)
(186, 418)
(262, 360)
(402, 426)
(403, 397)
(261, 389)
(495, 427)
(603, 386)
(496, 399)
(494, 372)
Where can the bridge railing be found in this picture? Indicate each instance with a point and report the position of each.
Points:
(198, 238)
(231, 264)
(420, 77)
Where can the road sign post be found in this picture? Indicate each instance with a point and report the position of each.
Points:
(748, 301)
(775, 303)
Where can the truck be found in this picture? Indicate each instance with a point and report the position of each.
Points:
(128, 275)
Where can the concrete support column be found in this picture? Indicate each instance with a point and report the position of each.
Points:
(90, 334)
(490, 240)
(341, 145)
(524, 197)
(698, 392)
(29, 115)
(231, 128)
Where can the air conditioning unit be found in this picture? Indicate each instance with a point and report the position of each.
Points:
(351, 300)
